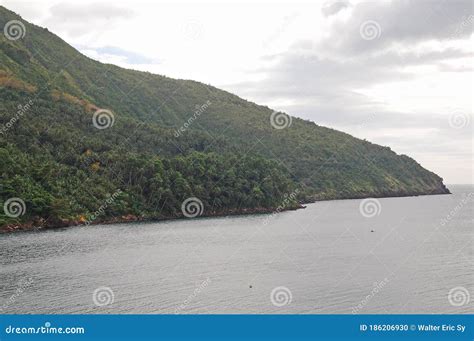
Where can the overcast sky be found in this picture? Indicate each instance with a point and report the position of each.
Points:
(398, 73)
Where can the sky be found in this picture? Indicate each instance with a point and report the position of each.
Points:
(397, 73)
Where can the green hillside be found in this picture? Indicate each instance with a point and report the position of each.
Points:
(170, 140)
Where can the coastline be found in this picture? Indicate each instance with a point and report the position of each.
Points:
(436, 191)
(42, 224)
(45, 225)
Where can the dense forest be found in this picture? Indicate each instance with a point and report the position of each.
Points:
(85, 142)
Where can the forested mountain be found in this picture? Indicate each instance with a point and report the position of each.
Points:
(77, 135)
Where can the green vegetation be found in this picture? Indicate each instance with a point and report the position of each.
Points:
(170, 140)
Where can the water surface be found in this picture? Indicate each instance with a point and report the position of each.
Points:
(328, 257)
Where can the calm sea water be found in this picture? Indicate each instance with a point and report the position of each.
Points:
(323, 259)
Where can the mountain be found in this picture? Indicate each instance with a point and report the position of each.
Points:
(82, 142)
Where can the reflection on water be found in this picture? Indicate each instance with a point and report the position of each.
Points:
(328, 258)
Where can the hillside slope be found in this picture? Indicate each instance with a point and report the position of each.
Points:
(163, 140)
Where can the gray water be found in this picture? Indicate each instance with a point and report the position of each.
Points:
(325, 256)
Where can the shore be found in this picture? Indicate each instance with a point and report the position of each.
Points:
(42, 224)
(45, 224)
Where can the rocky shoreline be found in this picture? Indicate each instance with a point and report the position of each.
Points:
(397, 194)
(42, 224)
(45, 224)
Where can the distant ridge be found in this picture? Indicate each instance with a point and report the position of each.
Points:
(85, 142)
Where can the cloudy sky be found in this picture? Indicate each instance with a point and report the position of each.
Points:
(398, 73)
